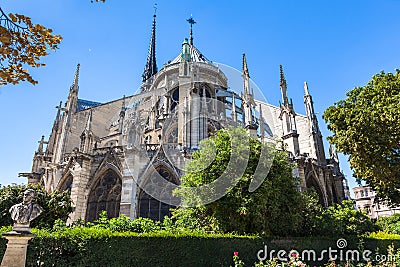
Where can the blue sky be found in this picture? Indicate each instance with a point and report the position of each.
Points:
(333, 45)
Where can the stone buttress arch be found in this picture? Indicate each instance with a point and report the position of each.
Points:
(313, 182)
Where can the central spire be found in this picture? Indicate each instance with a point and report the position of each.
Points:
(191, 22)
(151, 65)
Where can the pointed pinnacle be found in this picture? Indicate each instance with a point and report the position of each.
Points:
(123, 108)
(306, 92)
(58, 116)
(283, 80)
(89, 121)
(151, 65)
(76, 78)
(245, 69)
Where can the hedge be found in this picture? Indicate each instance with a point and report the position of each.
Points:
(102, 247)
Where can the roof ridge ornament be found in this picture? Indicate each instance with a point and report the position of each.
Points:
(191, 22)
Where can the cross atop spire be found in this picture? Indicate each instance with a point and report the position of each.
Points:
(41, 143)
(151, 65)
(191, 22)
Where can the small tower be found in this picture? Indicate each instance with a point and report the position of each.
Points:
(39, 158)
(288, 117)
(72, 102)
(41, 145)
(191, 101)
(246, 77)
(70, 108)
(248, 103)
(283, 87)
(121, 116)
(54, 132)
(87, 135)
(151, 65)
(317, 146)
(186, 52)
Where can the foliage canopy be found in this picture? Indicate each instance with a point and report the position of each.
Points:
(274, 208)
(22, 44)
(366, 127)
(343, 220)
(389, 224)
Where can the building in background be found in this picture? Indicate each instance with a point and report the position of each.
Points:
(104, 154)
(365, 199)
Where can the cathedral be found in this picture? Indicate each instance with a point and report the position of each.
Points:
(127, 155)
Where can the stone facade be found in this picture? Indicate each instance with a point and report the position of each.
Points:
(115, 156)
(365, 199)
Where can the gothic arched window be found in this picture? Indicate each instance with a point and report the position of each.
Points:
(105, 195)
(150, 207)
(175, 98)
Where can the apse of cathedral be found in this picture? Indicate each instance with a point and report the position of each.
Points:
(126, 156)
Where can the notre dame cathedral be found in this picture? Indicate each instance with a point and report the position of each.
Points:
(107, 154)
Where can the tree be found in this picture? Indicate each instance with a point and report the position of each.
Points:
(23, 44)
(366, 126)
(274, 208)
(55, 205)
(311, 211)
(343, 220)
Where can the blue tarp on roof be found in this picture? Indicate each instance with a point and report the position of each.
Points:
(85, 104)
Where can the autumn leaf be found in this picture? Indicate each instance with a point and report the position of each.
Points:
(22, 45)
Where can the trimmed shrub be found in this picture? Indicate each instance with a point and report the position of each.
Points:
(343, 220)
(93, 246)
(390, 224)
